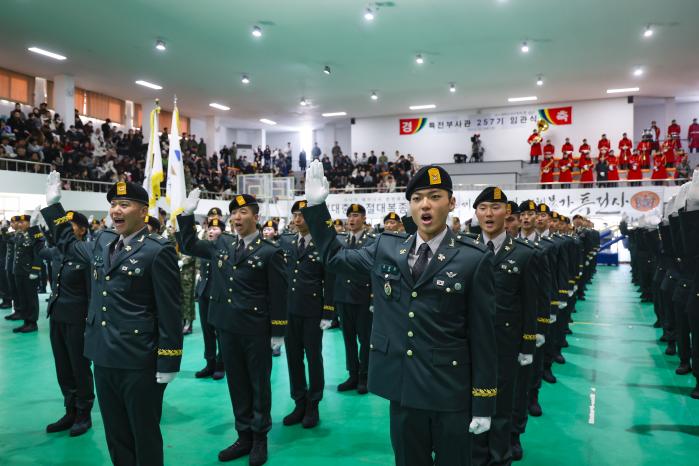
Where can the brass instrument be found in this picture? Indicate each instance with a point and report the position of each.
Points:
(541, 126)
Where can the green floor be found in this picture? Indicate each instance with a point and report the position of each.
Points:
(641, 413)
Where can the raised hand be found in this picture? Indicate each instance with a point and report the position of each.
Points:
(53, 188)
(192, 201)
(317, 188)
(36, 214)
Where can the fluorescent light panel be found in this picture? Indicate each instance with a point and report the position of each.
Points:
(622, 90)
(333, 114)
(157, 87)
(522, 99)
(46, 53)
(267, 122)
(422, 107)
(218, 106)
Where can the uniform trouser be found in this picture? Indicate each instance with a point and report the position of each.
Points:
(209, 333)
(72, 368)
(416, 433)
(493, 447)
(682, 331)
(520, 413)
(131, 403)
(4, 286)
(540, 357)
(248, 363)
(667, 307)
(27, 298)
(693, 317)
(356, 325)
(11, 287)
(304, 335)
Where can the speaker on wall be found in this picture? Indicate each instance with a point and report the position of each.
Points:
(629, 99)
(352, 120)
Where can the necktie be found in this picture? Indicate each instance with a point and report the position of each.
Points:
(117, 249)
(423, 255)
(302, 246)
(491, 246)
(240, 248)
(353, 241)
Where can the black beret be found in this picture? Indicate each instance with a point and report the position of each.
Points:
(242, 200)
(14, 218)
(153, 222)
(577, 216)
(215, 222)
(392, 216)
(512, 208)
(543, 208)
(22, 218)
(527, 206)
(337, 221)
(78, 218)
(356, 208)
(129, 191)
(214, 211)
(270, 224)
(430, 176)
(554, 215)
(298, 205)
(490, 194)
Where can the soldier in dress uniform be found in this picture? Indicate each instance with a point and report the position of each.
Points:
(269, 230)
(515, 318)
(27, 268)
(512, 223)
(10, 269)
(248, 308)
(133, 330)
(311, 310)
(67, 311)
(352, 301)
(392, 222)
(5, 290)
(339, 226)
(433, 350)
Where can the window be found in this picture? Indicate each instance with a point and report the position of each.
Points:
(16, 87)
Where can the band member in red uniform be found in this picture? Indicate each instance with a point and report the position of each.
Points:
(546, 169)
(693, 136)
(659, 170)
(625, 147)
(568, 148)
(549, 149)
(634, 175)
(668, 150)
(613, 169)
(674, 129)
(535, 150)
(604, 142)
(586, 166)
(565, 176)
(584, 148)
(644, 148)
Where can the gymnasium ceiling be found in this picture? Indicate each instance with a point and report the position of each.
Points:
(581, 47)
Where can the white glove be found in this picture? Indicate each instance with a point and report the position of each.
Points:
(540, 340)
(575, 287)
(552, 317)
(192, 201)
(165, 377)
(90, 219)
(53, 188)
(570, 293)
(180, 263)
(693, 192)
(479, 425)
(325, 324)
(34, 219)
(562, 305)
(317, 188)
(277, 342)
(525, 359)
(33, 276)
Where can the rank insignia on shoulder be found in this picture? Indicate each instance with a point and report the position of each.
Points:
(403, 251)
(441, 257)
(451, 274)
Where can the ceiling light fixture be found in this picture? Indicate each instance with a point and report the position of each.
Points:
(303, 102)
(623, 90)
(256, 31)
(638, 71)
(268, 122)
(539, 80)
(525, 47)
(46, 53)
(419, 60)
(157, 87)
(452, 87)
(369, 14)
(160, 45)
(334, 114)
(522, 99)
(219, 106)
(326, 70)
(422, 107)
(245, 79)
(374, 96)
(648, 32)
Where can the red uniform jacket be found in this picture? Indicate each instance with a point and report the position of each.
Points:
(634, 168)
(659, 170)
(668, 150)
(644, 148)
(613, 170)
(549, 149)
(693, 135)
(673, 130)
(625, 146)
(535, 146)
(564, 170)
(586, 168)
(546, 168)
(584, 150)
(568, 148)
(604, 143)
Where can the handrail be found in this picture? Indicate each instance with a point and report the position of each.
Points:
(23, 166)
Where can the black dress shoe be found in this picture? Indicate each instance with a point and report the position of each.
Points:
(695, 392)
(349, 384)
(258, 455)
(296, 415)
(83, 422)
(362, 385)
(535, 409)
(6, 305)
(559, 359)
(671, 349)
(63, 423)
(219, 373)
(13, 316)
(517, 452)
(312, 417)
(548, 376)
(664, 338)
(240, 448)
(206, 372)
(565, 344)
(657, 324)
(26, 328)
(276, 352)
(683, 369)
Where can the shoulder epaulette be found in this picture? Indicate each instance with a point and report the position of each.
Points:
(107, 233)
(271, 242)
(471, 241)
(399, 234)
(227, 233)
(526, 242)
(158, 238)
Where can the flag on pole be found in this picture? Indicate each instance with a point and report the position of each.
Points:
(154, 164)
(176, 192)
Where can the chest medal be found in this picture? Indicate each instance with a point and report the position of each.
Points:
(387, 289)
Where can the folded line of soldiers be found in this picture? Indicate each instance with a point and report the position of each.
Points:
(664, 255)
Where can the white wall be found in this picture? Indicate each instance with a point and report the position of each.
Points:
(590, 120)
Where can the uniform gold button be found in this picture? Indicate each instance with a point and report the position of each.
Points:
(104, 308)
(349, 281)
(409, 353)
(297, 271)
(448, 290)
(254, 309)
(230, 290)
(371, 346)
(507, 324)
(314, 294)
(410, 334)
(229, 300)
(414, 294)
(231, 279)
(107, 278)
(411, 314)
(293, 280)
(135, 331)
(293, 289)
(454, 363)
(235, 267)
(104, 323)
(104, 293)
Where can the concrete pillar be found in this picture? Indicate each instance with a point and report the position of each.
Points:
(40, 91)
(670, 114)
(146, 108)
(263, 138)
(64, 98)
(129, 115)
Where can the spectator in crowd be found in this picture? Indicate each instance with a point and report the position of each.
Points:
(682, 171)
(315, 152)
(602, 169)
